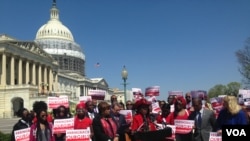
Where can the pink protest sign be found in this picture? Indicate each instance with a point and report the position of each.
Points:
(61, 125)
(78, 135)
(54, 102)
(127, 114)
(152, 91)
(184, 126)
(22, 134)
(97, 94)
(175, 93)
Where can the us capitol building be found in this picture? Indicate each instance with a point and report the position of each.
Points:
(51, 65)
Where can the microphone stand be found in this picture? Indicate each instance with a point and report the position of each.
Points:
(146, 124)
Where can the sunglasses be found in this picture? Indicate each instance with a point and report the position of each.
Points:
(129, 104)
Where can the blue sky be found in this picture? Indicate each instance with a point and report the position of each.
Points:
(175, 44)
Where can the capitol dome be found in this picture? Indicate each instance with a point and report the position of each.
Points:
(57, 40)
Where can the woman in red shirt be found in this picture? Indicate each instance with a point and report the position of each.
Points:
(81, 120)
(141, 121)
(180, 112)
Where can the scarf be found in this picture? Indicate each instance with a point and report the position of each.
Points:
(109, 127)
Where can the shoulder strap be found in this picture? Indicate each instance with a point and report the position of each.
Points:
(187, 112)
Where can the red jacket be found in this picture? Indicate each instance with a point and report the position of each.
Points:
(82, 123)
(138, 121)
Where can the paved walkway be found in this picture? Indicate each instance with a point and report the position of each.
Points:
(6, 124)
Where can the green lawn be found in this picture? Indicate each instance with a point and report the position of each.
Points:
(4, 137)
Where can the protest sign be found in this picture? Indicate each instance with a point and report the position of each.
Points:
(152, 91)
(213, 136)
(97, 94)
(78, 135)
(54, 102)
(84, 99)
(22, 134)
(61, 125)
(184, 126)
(244, 97)
(127, 114)
(175, 93)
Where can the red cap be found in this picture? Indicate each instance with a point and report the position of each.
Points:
(141, 102)
(80, 105)
(182, 100)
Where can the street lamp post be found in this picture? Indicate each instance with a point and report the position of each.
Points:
(124, 77)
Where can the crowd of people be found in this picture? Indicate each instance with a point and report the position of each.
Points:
(106, 123)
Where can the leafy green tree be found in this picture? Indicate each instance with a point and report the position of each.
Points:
(233, 88)
(218, 89)
(243, 56)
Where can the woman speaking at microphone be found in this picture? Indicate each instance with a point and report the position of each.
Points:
(141, 121)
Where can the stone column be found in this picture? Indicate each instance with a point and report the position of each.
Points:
(50, 80)
(34, 73)
(86, 91)
(27, 75)
(20, 71)
(45, 79)
(3, 76)
(12, 70)
(39, 74)
(56, 83)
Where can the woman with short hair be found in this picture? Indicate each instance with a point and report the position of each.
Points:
(105, 128)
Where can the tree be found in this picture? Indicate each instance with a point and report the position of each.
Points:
(243, 56)
(218, 89)
(233, 88)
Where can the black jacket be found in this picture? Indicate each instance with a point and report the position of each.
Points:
(21, 124)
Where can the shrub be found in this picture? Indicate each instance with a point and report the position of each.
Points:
(5, 137)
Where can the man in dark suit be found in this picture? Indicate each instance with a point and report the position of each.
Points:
(204, 121)
(120, 121)
(90, 110)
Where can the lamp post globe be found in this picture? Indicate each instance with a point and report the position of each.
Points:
(124, 77)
